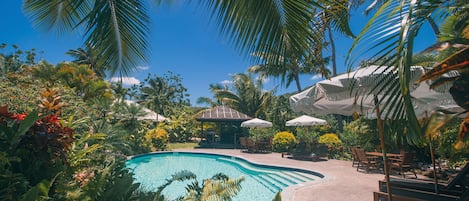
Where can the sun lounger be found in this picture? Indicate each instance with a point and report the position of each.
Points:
(457, 185)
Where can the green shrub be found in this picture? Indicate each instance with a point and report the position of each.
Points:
(158, 137)
(283, 141)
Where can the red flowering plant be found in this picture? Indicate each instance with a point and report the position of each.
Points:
(36, 139)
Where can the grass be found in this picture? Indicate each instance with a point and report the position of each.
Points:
(187, 145)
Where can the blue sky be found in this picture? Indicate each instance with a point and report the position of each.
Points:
(181, 41)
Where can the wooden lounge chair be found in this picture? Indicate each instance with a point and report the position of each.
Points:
(403, 163)
(366, 161)
(381, 196)
(457, 186)
(243, 143)
(354, 156)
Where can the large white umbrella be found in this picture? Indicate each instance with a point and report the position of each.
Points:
(256, 123)
(152, 116)
(305, 120)
(149, 114)
(351, 92)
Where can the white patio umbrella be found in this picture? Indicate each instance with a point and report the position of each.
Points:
(351, 93)
(256, 123)
(305, 120)
(152, 116)
(149, 114)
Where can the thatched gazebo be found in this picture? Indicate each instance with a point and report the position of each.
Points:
(222, 114)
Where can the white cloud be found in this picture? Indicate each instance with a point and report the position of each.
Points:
(264, 79)
(226, 82)
(126, 80)
(143, 67)
(316, 77)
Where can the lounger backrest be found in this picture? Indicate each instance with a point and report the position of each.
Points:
(461, 180)
(408, 158)
(361, 154)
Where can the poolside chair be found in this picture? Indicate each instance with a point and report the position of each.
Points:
(243, 143)
(354, 155)
(403, 163)
(366, 161)
(251, 145)
(457, 186)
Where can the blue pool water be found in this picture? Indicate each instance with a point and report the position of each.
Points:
(260, 183)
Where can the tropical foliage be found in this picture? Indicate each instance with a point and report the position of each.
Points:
(158, 138)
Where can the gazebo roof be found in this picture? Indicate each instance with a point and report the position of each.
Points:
(222, 114)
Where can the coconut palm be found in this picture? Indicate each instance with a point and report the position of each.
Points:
(212, 102)
(89, 56)
(246, 96)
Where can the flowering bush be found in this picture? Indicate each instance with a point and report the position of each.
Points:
(158, 137)
(333, 143)
(283, 141)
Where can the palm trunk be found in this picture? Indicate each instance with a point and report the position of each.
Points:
(297, 81)
(433, 25)
(333, 56)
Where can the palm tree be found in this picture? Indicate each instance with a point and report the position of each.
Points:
(247, 96)
(89, 56)
(156, 95)
(212, 102)
(290, 67)
(335, 17)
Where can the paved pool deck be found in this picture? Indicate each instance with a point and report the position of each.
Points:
(341, 181)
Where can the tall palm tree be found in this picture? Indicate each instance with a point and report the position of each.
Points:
(290, 67)
(212, 102)
(335, 17)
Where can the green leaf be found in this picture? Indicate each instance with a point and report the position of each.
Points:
(38, 191)
(24, 126)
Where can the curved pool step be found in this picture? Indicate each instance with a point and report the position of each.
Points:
(273, 188)
(274, 180)
(300, 176)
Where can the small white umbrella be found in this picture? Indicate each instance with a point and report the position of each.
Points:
(305, 120)
(256, 123)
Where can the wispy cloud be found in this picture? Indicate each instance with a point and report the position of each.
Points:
(143, 67)
(316, 77)
(263, 79)
(126, 80)
(226, 82)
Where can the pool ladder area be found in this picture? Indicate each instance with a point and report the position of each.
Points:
(274, 180)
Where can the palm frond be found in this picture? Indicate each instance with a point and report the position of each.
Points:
(264, 26)
(119, 29)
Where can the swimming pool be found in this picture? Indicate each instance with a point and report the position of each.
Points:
(261, 182)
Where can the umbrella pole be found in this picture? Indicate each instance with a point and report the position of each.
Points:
(435, 176)
(383, 148)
